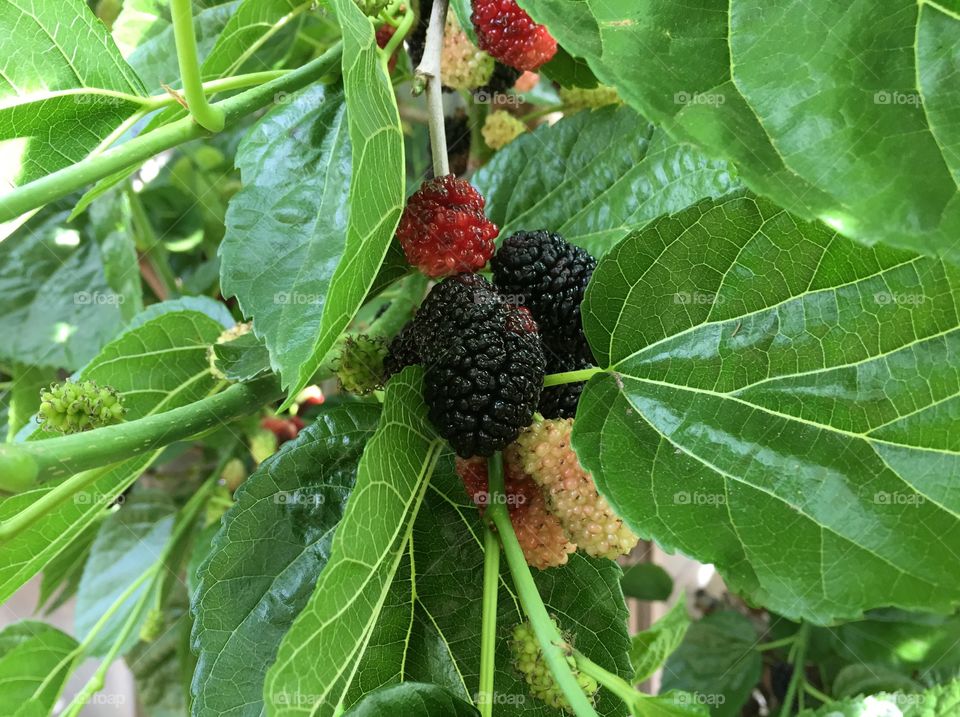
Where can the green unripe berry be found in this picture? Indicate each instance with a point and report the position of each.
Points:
(372, 8)
(71, 407)
(360, 367)
(152, 625)
(528, 659)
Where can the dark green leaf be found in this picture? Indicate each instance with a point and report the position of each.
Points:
(286, 228)
(35, 661)
(250, 591)
(413, 698)
(783, 407)
(811, 101)
(376, 186)
(158, 365)
(128, 544)
(57, 308)
(408, 576)
(646, 581)
(243, 358)
(716, 663)
(596, 176)
(569, 71)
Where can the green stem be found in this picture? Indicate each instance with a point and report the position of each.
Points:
(776, 644)
(816, 694)
(65, 181)
(798, 655)
(556, 379)
(616, 684)
(208, 116)
(151, 247)
(402, 29)
(71, 454)
(543, 626)
(488, 625)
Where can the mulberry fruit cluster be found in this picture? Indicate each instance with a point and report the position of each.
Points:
(464, 66)
(508, 33)
(529, 661)
(538, 531)
(372, 7)
(544, 452)
(443, 230)
(550, 275)
(483, 363)
(501, 128)
(71, 407)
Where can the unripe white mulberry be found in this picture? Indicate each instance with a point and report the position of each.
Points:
(578, 98)
(544, 452)
(501, 128)
(463, 65)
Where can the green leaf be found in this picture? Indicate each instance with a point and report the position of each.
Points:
(775, 379)
(811, 101)
(243, 358)
(651, 648)
(716, 663)
(413, 698)
(49, 48)
(376, 186)
(24, 394)
(286, 227)
(292, 504)
(159, 365)
(868, 679)
(127, 545)
(61, 576)
(405, 584)
(673, 704)
(364, 557)
(157, 665)
(57, 308)
(646, 581)
(939, 701)
(35, 661)
(596, 176)
(111, 227)
(569, 71)
(463, 10)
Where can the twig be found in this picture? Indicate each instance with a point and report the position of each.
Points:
(427, 76)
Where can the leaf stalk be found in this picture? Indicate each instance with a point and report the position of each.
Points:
(551, 642)
(208, 116)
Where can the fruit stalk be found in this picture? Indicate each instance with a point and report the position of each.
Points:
(616, 684)
(427, 75)
(23, 464)
(206, 115)
(488, 625)
(69, 179)
(548, 636)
